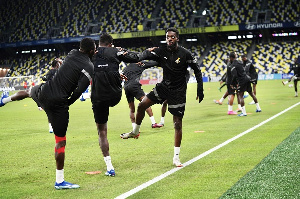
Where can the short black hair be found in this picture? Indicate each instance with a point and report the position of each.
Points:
(105, 39)
(244, 56)
(232, 55)
(54, 62)
(87, 44)
(173, 30)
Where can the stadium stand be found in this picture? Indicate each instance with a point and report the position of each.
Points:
(284, 11)
(38, 20)
(214, 64)
(125, 16)
(82, 13)
(176, 13)
(233, 12)
(275, 57)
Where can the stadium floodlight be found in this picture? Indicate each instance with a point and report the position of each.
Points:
(232, 37)
(249, 36)
(33, 51)
(163, 42)
(191, 39)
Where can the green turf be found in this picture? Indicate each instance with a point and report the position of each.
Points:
(277, 176)
(27, 149)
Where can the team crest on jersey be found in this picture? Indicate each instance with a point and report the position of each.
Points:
(177, 60)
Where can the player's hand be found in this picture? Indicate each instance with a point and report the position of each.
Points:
(200, 97)
(221, 82)
(151, 49)
(140, 64)
(123, 77)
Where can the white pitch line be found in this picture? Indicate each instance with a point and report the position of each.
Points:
(164, 175)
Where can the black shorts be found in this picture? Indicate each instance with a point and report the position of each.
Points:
(57, 113)
(34, 94)
(59, 119)
(176, 99)
(132, 92)
(254, 81)
(101, 109)
(245, 87)
(230, 90)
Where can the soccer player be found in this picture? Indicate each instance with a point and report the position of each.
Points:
(296, 68)
(56, 95)
(107, 88)
(242, 82)
(251, 72)
(230, 89)
(133, 88)
(25, 94)
(174, 60)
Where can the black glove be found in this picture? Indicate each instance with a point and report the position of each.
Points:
(200, 96)
(200, 93)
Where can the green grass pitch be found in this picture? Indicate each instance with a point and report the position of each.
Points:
(27, 148)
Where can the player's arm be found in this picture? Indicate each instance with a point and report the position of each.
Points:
(253, 73)
(150, 54)
(198, 75)
(83, 83)
(223, 78)
(127, 56)
(234, 76)
(148, 64)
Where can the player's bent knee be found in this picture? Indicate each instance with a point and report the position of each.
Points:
(60, 144)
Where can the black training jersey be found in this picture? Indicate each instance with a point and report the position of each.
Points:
(250, 69)
(229, 74)
(238, 73)
(175, 64)
(71, 79)
(134, 71)
(296, 68)
(107, 81)
(50, 74)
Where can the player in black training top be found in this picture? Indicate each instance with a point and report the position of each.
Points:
(174, 60)
(296, 77)
(133, 88)
(241, 81)
(231, 90)
(25, 94)
(56, 95)
(107, 88)
(251, 72)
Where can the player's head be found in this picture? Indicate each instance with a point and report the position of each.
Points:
(88, 46)
(232, 56)
(57, 62)
(244, 57)
(172, 37)
(106, 40)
